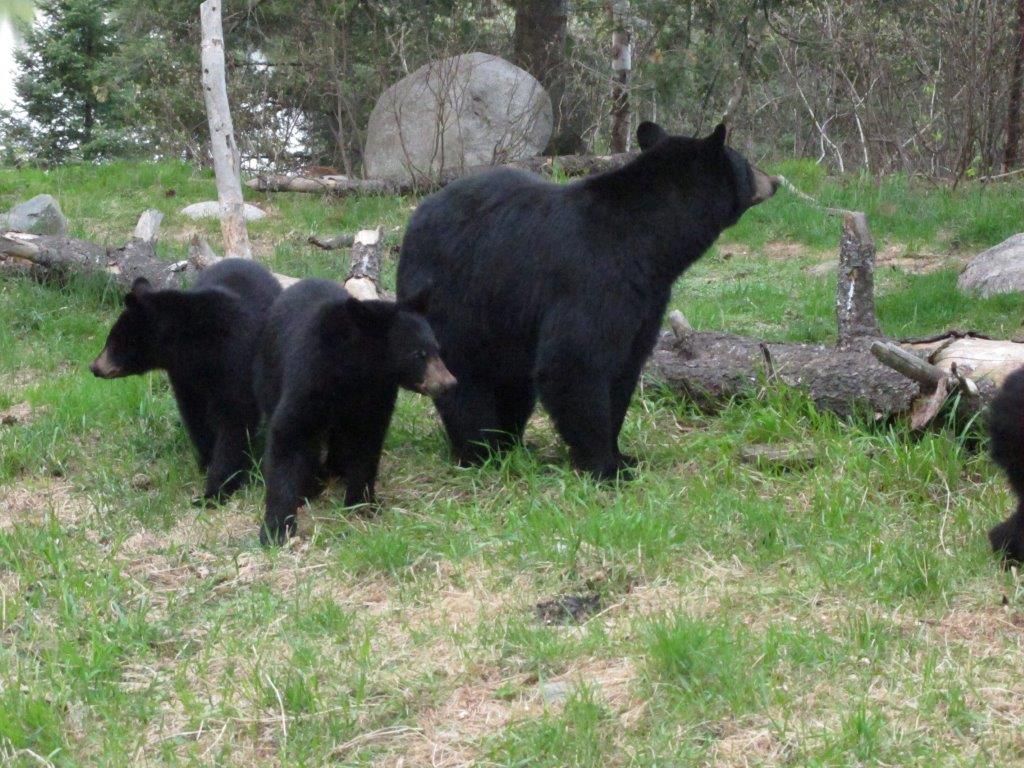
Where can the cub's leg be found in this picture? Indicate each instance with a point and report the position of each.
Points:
(363, 431)
(289, 467)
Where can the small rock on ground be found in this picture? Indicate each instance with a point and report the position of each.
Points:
(210, 209)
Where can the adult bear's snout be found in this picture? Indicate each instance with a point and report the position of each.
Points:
(764, 186)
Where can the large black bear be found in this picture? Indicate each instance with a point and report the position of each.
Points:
(205, 338)
(1006, 428)
(327, 375)
(559, 290)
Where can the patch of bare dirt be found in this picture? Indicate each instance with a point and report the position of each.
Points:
(448, 733)
(785, 251)
(742, 747)
(31, 504)
(21, 414)
(897, 258)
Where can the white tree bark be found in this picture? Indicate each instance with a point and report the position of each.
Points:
(226, 160)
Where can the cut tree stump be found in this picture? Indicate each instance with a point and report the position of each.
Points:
(363, 280)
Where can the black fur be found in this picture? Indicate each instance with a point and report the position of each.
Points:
(1006, 428)
(558, 290)
(205, 338)
(327, 375)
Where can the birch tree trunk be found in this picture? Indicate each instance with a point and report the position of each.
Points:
(226, 160)
(622, 63)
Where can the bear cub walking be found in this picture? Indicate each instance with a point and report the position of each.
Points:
(205, 338)
(1006, 429)
(327, 376)
(557, 291)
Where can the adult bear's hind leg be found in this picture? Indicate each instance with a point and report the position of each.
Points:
(580, 406)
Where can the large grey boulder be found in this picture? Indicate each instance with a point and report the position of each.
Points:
(41, 216)
(454, 113)
(1000, 269)
(210, 209)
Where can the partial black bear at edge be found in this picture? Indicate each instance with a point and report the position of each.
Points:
(205, 338)
(558, 291)
(1006, 429)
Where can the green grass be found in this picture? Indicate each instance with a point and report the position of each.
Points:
(845, 614)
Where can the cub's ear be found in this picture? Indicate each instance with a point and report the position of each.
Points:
(372, 314)
(648, 134)
(140, 288)
(419, 302)
(343, 319)
(716, 141)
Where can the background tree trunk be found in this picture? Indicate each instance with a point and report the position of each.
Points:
(226, 159)
(538, 46)
(622, 63)
(1012, 153)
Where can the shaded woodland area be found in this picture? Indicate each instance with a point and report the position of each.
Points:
(928, 88)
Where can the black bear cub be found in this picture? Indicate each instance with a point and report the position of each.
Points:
(205, 338)
(327, 376)
(1006, 429)
(557, 291)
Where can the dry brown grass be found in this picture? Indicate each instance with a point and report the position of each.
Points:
(34, 500)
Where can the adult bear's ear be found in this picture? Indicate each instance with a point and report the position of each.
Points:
(716, 141)
(419, 302)
(648, 134)
(140, 288)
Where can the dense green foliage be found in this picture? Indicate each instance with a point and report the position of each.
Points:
(913, 87)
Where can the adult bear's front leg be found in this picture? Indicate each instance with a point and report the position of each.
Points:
(470, 416)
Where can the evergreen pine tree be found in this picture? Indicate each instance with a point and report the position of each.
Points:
(63, 88)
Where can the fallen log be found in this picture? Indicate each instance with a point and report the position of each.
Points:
(864, 373)
(569, 165)
(712, 368)
(332, 243)
(52, 256)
